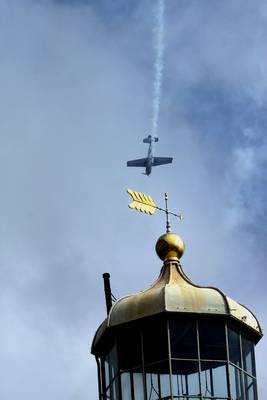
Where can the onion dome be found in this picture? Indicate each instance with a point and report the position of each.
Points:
(174, 292)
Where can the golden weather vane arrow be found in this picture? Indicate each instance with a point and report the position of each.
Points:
(144, 203)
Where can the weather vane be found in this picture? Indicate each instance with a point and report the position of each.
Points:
(144, 203)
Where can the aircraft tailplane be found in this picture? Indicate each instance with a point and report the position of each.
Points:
(150, 139)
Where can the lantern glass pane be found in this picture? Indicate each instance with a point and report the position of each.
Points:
(126, 386)
(155, 340)
(234, 347)
(138, 385)
(248, 356)
(106, 365)
(152, 386)
(114, 389)
(158, 380)
(212, 340)
(129, 347)
(185, 378)
(250, 387)
(113, 363)
(213, 379)
(236, 383)
(108, 394)
(183, 337)
(165, 389)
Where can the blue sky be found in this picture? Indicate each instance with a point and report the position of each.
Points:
(76, 84)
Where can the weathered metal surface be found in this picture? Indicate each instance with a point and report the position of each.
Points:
(174, 292)
(99, 333)
(243, 314)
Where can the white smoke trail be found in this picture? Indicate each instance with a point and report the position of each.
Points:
(158, 65)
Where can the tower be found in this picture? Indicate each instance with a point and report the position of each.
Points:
(177, 340)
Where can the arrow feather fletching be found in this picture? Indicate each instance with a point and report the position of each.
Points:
(142, 202)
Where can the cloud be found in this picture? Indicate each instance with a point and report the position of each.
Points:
(76, 98)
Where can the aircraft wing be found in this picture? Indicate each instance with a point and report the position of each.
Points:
(161, 161)
(137, 163)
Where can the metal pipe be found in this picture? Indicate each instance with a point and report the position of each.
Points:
(100, 382)
(107, 289)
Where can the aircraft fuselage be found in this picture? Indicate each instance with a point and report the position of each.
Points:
(149, 157)
(150, 161)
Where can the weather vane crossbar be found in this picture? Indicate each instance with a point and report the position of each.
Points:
(144, 203)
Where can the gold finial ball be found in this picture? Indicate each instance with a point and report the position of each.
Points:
(170, 246)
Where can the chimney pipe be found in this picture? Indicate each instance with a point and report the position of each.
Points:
(107, 289)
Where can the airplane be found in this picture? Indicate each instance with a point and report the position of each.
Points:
(150, 161)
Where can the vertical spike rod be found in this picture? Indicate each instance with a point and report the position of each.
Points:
(168, 225)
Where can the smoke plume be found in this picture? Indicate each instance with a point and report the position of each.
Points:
(158, 66)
